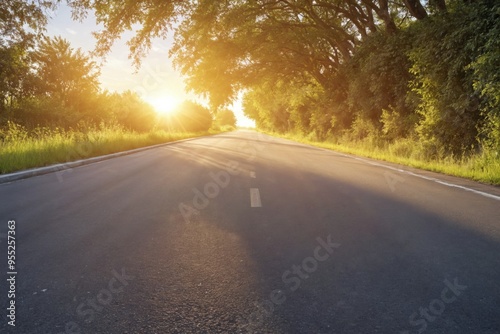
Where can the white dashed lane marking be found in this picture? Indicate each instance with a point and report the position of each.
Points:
(255, 201)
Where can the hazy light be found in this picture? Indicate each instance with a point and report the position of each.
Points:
(164, 104)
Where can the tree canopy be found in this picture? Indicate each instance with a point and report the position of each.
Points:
(223, 46)
(23, 21)
(63, 71)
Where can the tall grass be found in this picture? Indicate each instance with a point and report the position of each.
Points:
(483, 167)
(22, 149)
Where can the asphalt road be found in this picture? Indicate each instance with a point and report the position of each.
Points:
(245, 233)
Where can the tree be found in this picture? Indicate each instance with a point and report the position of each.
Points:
(15, 75)
(64, 73)
(128, 110)
(23, 22)
(285, 106)
(445, 48)
(225, 117)
(379, 79)
(51, 85)
(486, 76)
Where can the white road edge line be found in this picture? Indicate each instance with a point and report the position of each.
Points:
(255, 198)
(432, 179)
(482, 193)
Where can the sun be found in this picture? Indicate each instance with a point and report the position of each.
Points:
(164, 104)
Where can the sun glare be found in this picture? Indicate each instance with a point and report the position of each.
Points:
(164, 104)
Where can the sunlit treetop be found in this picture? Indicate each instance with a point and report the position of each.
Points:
(63, 71)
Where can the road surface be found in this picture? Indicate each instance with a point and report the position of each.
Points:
(245, 233)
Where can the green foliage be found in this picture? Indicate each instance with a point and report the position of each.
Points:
(128, 110)
(15, 77)
(379, 76)
(225, 118)
(63, 73)
(224, 46)
(486, 75)
(297, 106)
(23, 22)
(13, 132)
(21, 148)
(429, 91)
(363, 129)
(481, 167)
(50, 101)
(57, 86)
(270, 111)
(149, 19)
(449, 108)
(43, 111)
(395, 125)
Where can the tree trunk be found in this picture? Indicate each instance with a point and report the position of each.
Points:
(439, 5)
(416, 9)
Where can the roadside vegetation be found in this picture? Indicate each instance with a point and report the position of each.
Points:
(483, 167)
(426, 95)
(52, 109)
(22, 149)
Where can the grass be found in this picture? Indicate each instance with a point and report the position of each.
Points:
(20, 149)
(483, 167)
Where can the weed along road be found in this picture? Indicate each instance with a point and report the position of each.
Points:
(245, 233)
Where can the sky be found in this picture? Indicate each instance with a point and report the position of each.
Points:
(156, 81)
